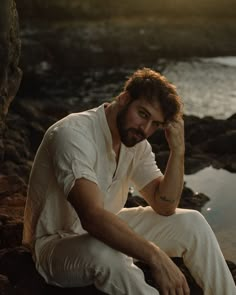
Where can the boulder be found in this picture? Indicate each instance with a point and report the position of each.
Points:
(10, 74)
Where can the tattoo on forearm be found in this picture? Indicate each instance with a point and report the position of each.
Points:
(165, 199)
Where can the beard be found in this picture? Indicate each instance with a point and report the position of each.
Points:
(129, 136)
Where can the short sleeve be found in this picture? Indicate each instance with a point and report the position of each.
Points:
(73, 157)
(145, 168)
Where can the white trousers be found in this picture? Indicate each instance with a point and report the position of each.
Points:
(83, 260)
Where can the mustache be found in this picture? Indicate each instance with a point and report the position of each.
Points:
(138, 132)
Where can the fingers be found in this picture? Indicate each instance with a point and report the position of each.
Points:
(169, 277)
(186, 289)
(177, 286)
(177, 124)
(174, 132)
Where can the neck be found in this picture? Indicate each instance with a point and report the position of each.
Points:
(111, 113)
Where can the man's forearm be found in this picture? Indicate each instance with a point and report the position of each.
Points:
(87, 200)
(113, 231)
(170, 188)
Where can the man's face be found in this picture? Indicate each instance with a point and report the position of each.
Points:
(137, 120)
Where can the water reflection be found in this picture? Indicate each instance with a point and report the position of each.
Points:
(219, 185)
(207, 85)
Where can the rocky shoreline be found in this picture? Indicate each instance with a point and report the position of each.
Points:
(65, 76)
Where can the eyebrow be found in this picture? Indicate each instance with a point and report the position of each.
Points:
(156, 121)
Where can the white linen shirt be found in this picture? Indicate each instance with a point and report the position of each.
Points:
(80, 146)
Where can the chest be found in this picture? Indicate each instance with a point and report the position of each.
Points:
(112, 167)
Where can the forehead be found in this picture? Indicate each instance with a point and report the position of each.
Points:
(151, 107)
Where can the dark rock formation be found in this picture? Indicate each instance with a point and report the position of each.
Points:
(209, 141)
(10, 74)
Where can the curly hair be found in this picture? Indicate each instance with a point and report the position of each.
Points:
(151, 85)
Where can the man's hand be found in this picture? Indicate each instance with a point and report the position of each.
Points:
(168, 277)
(174, 132)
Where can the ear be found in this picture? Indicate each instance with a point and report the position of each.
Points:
(123, 99)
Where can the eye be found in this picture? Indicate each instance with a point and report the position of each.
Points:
(142, 114)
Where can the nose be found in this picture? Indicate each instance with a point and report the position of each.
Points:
(146, 127)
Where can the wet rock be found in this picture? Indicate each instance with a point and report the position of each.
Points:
(192, 200)
(196, 162)
(222, 144)
(226, 161)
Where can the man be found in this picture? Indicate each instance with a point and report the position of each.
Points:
(75, 222)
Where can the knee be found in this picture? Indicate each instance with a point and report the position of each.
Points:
(103, 255)
(193, 221)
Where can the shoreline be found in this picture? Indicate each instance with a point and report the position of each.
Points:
(81, 45)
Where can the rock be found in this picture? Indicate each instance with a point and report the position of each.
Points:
(12, 201)
(10, 185)
(11, 234)
(161, 159)
(10, 74)
(135, 201)
(221, 144)
(192, 200)
(196, 162)
(5, 286)
(226, 161)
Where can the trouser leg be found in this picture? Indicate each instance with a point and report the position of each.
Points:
(185, 234)
(83, 260)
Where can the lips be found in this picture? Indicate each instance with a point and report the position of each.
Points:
(137, 135)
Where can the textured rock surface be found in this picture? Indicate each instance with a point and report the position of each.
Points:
(10, 74)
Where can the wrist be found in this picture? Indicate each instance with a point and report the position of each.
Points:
(178, 152)
(154, 255)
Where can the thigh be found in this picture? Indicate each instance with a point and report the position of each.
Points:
(170, 233)
(74, 261)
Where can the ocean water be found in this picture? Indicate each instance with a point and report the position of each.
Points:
(219, 185)
(207, 85)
